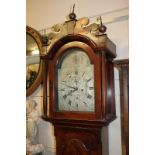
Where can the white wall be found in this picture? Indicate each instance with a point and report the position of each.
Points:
(45, 13)
(42, 14)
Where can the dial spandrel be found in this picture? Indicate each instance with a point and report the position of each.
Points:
(76, 82)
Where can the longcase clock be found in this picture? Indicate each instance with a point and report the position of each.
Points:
(81, 101)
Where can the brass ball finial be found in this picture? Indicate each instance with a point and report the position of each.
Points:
(72, 15)
(102, 28)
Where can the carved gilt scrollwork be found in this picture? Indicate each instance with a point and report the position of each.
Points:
(81, 26)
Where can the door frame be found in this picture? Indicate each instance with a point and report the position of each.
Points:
(123, 67)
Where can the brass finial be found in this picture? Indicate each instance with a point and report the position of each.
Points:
(102, 28)
(72, 15)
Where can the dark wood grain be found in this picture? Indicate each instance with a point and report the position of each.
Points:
(78, 140)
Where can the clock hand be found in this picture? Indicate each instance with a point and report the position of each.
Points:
(89, 79)
(69, 93)
(75, 88)
(83, 74)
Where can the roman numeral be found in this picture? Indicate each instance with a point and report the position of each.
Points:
(69, 102)
(91, 88)
(89, 79)
(89, 96)
(85, 103)
(65, 96)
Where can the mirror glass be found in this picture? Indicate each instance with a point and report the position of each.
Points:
(32, 60)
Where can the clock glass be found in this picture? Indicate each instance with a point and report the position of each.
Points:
(75, 82)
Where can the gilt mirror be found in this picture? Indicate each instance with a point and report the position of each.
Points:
(33, 61)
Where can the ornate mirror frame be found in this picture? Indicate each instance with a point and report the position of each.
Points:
(37, 37)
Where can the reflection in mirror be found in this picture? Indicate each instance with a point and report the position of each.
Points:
(32, 60)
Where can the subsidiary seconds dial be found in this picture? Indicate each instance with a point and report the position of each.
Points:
(76, 82)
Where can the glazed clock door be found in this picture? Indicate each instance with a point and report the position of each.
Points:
(75, 82)
(75, 79)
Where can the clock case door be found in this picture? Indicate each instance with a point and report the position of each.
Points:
(103, 81)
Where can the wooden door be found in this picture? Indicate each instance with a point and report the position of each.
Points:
(123, 66)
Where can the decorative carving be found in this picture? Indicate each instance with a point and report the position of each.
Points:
(82, 27)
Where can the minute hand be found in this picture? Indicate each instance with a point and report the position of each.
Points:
(70, 86)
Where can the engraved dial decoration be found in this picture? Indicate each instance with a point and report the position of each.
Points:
(76, 82)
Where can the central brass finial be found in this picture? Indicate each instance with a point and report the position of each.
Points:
(72, 15)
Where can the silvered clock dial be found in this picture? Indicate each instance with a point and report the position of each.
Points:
(75, 82)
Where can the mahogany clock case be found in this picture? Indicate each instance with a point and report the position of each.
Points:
(80, 132)
(101, 58)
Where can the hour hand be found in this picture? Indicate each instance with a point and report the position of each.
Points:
(69, 93)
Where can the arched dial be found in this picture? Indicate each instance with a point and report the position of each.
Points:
(76, 82)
